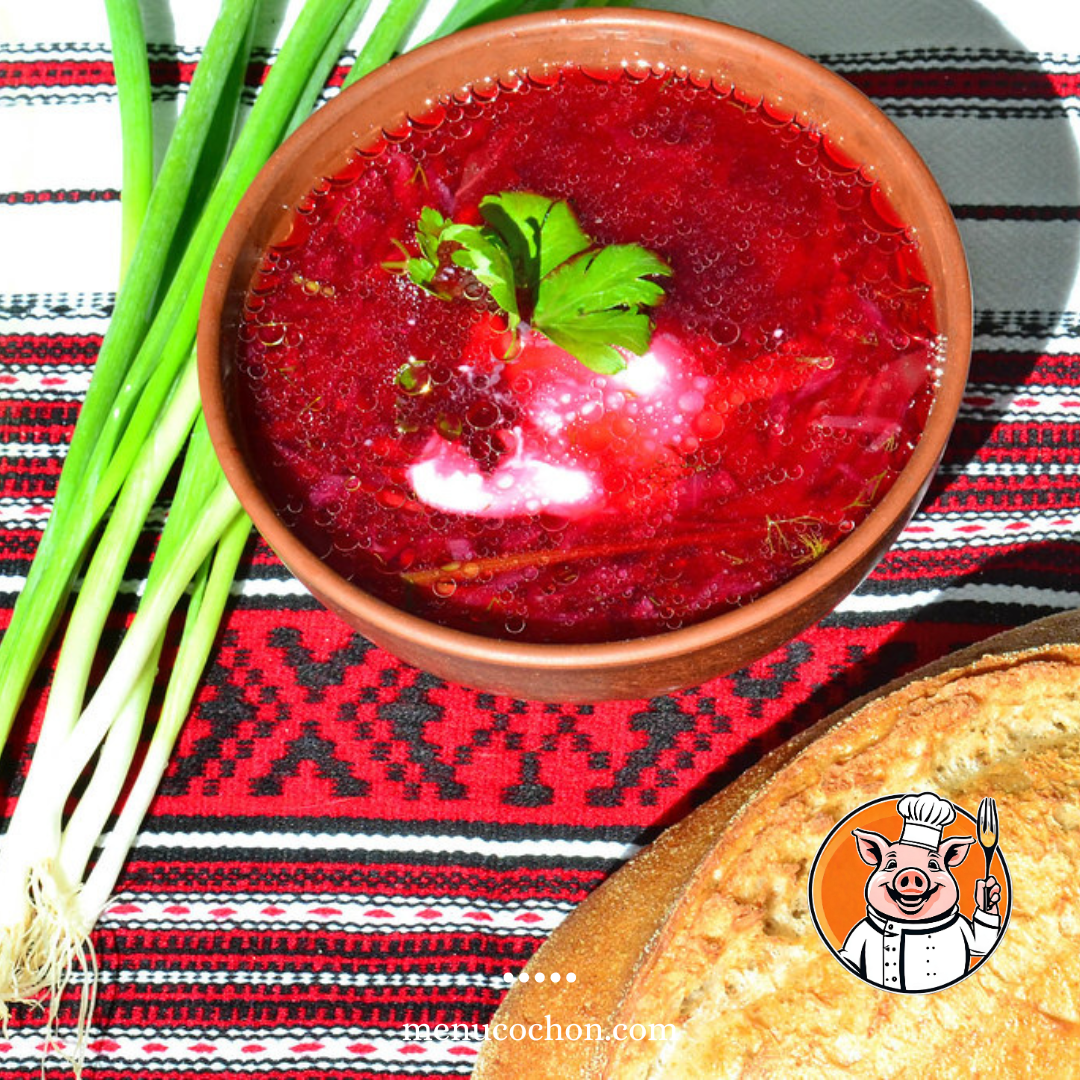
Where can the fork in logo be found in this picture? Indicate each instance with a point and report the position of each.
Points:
(988, 830)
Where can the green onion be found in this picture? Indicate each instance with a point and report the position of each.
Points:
(46, 914)
(387, 37)
(132, 70)
(168, 343)
(331, 55)
(141, 414)
(200, 630)
(76, 512)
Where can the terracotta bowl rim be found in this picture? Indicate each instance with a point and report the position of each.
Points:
(728, 626)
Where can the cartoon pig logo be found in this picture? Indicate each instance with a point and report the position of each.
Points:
(914, 938)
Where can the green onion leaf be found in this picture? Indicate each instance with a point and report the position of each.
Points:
(76, 512)
(132, 72)
(386, 39)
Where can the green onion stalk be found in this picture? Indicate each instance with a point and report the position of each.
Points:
(59, 857)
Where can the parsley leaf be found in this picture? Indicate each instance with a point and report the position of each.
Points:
(476, 250)
(589, 300)
(594, 302)
(490, 263)
(429, 229)
(539, 233)
(429, 233)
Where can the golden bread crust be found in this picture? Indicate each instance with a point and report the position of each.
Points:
(708, 928)
(741, 971)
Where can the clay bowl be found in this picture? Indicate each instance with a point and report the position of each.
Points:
(759, 68)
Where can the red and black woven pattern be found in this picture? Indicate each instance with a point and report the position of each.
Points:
(344, 845)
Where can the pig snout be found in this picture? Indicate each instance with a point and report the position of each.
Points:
(910, 882)
(911, 891)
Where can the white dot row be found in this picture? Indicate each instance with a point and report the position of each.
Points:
(539, 976)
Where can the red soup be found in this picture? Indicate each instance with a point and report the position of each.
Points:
(494, 483)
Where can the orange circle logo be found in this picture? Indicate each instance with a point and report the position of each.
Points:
(911, 893)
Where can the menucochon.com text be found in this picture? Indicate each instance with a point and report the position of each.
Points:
(539, 1032)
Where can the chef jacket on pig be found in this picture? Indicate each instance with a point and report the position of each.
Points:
(914, 938)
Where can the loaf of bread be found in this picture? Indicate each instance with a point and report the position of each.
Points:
(709, 931)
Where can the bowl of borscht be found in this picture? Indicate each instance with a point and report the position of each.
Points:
(588, 354)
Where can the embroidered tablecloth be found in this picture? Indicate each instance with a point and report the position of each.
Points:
(344, 845)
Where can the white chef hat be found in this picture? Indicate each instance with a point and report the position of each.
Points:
(925, 816)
